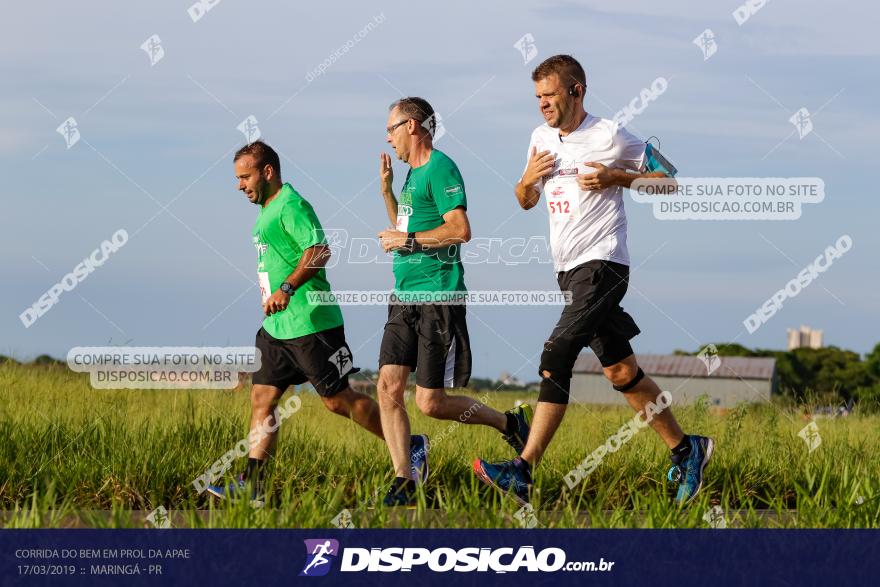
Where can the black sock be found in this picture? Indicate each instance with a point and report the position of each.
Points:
(254, 466)
(683, 449)
(524, 467)
(511, 423)
(403, 484)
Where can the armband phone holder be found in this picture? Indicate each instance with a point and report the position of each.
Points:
(655, 161)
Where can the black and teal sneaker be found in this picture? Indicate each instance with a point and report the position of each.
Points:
(521, 417)
(688, 471)
(401, 493)
(509, 477)
(418, 457)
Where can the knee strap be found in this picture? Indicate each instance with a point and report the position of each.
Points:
(557, 358)
(556, 361)
(554, 391)
(628, 386)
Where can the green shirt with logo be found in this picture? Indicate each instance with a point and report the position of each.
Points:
(285, 228)
(430, 191)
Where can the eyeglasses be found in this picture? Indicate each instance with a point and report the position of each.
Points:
(393, 127)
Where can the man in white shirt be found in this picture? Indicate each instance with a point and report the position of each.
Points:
(582, 163)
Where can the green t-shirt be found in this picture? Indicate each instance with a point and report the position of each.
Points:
(430, 191)
(284, 229)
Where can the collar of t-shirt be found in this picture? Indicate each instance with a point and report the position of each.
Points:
(584, 134)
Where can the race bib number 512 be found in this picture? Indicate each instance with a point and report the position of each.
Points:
(563, 201)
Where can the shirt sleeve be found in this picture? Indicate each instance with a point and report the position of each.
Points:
(632, 150)
(447, 189)
(300, 222)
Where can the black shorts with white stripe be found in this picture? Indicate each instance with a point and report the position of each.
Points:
(430, 339)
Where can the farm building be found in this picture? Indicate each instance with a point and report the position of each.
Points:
(734, 380)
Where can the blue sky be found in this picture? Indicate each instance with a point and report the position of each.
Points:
(163, 135)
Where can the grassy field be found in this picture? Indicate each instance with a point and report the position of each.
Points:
(105, 458)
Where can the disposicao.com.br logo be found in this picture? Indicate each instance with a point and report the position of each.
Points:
(442, 560)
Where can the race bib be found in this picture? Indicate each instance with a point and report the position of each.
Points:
(403, 214)
(265, 288)
(563, 200)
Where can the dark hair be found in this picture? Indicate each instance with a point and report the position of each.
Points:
(416, 108)
(566, 67)
(262, 153)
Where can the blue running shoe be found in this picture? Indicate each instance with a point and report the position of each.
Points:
(401, 493)
(522, 416)
(688, 471)
(418, 457)
(509, 477)
(238, 490)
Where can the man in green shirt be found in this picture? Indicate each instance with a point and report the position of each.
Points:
(426, 331)
(300, 340)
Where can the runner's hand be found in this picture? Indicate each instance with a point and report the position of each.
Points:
(539, 165)
(276, 302)
(603, 177)
(386, 173)
(392, 239)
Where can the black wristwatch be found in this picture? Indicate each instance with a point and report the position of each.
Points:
(411, 244)
(287, 288)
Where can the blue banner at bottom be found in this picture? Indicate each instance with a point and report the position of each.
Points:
(434, 557)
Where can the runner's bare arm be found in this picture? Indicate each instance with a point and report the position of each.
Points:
(456, 228)
(386, 177)
(527, 195)
(605, 177)
(312, 260)
(539, 165)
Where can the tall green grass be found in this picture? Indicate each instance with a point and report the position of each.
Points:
(74, 455)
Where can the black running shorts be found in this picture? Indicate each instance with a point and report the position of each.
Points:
(323, 359)
(595, 318)
(430, 339)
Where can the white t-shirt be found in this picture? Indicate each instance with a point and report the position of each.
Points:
(587, 225)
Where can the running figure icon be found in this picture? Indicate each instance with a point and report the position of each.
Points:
(319, 552)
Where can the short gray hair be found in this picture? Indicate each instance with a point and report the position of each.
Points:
(418, 109)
